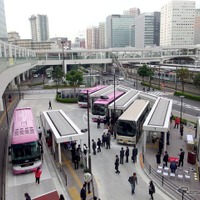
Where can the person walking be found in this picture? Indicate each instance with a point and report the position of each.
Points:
(38, 173)
(61, 197)
(134, 154)
(133, 181)
(94, 146)
(87, 180)
(117, 165)
(165, 159)
(98, 145)
(108, 140)
(127, 154)
(158, 158)
(151, 189)
(27, 196)
(181, 157)
(122, 156)
(83, 192)
(50, 107)
(181, 131)
(98, 122)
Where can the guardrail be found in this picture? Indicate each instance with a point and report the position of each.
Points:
(166, 184)
(63, 173)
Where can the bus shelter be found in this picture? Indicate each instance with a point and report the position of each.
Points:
(60, 128)
(158, 120)
(122, 103)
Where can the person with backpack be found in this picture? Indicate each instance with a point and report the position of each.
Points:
(151, 189)
(133, 181)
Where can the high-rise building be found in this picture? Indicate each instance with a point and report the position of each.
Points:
(92, 37)
(39, 27)
(197, 27)
(118, 30)
(12, 36)
(3, 28)
(101, 35)
(177, 23)
(147, 29)
(132, 11)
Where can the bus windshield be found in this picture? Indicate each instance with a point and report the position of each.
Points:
(98, 109)
(126, 128)
(25, 151)
(82, 97)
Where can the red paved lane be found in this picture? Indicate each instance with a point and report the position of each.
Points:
(49, 196)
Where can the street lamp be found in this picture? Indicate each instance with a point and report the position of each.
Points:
(181, 108)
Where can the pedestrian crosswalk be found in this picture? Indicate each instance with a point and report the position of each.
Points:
(160, 93)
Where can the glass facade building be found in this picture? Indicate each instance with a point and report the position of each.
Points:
(3, 28)
(118, 30)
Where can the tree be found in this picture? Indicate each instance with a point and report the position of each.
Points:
(75, 78)
(183, 74)
(197, 80)
(145, 71)
(57, 74)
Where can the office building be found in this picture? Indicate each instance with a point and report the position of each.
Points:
(147, 30)
(132, 11)
(177, 23)
(3, 28)
(39, 28)
(102, 35)
(118, 30)
(197, 27)
(92, 37)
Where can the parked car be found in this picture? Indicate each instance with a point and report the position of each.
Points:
(35, 75)
(120, 79)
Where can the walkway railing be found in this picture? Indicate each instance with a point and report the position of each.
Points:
(166, 184)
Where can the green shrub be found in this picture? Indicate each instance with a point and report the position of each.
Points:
(187, 95)
(66, 100)
(148, 85)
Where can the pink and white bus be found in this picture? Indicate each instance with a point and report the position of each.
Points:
(100, 106)
(25, 148)
(82, 97)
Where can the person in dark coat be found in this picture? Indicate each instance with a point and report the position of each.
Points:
(134, 154)
(151, 189)
(105, 122)
(117, 165)
(168, 136)
(108, 140)
(50, 107)
(83, 192)
(27, 196)
(160, 145)
(127, 154)
(181, 130)
(122, 156)
(181, 157)
(76, 160)
(158, 158)
(165, 159)
(98, 122)
(98, 145)
(173, 167)
(94, 146)
(103, 140)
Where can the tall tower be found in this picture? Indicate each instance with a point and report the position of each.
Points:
(3, 28)
(92, 37)
(39, 27)
(177, 23)
(101, 35)
(197, 27)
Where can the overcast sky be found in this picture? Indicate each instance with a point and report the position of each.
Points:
(69, 17)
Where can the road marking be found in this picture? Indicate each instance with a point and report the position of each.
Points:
(74, 193)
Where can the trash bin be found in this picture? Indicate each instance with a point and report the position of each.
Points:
(191, 158)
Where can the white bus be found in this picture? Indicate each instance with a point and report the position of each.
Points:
(129, 124)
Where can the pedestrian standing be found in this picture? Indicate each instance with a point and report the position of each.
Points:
(85, 149)
(108, 140)
(38, 173)
(103, 140)
(133, 181)
(160, 146)
(98, 145)
(151, 189)
(177, 122)
(181, 131)
(87, 179)
(181, 157)
(94, 146)
(105, 122)
(83, 192)
(127, 154)
(61, 197)
(134, 154)
(122, 156)
(117, 165)
(98, 122)
(27, 196)
(168, 136)
(158, 158)
(50, 107)
(165, 159)
(76, 160)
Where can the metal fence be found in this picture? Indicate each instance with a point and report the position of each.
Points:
(174, 190)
